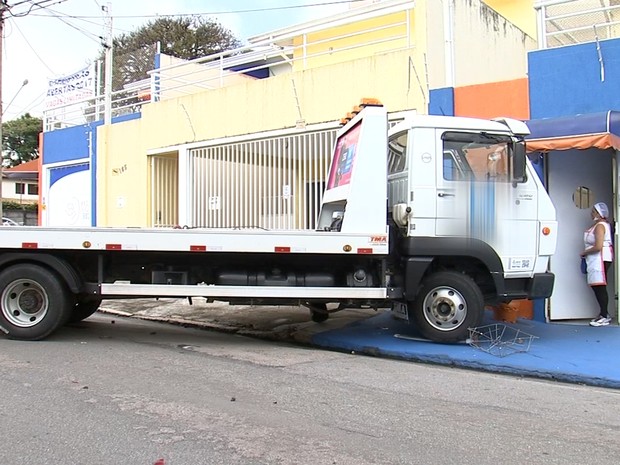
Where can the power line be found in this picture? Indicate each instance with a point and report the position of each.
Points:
(86, 33)
(253, 10)
(39, 5)
(32, 48)
(60, 15)
(57, 14)
(36, 102)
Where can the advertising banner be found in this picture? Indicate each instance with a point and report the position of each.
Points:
(72, 88)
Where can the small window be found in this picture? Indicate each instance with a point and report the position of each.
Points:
(33, 189)
(397, 153)
(20, 188)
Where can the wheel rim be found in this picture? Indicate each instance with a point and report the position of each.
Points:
(445, 308)
(24, 303)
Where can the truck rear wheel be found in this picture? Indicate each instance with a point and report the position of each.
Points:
(34, 302)
(448, 304)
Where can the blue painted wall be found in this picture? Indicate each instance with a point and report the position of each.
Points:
(69, 144)
(566, 81)
(441, 102)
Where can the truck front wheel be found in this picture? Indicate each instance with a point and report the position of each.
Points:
(34, 302)
(448, 304)
(83, 309)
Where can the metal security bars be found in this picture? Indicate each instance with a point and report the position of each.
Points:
(268, 180)
(570, 22)
(270, 183)
(164, 190)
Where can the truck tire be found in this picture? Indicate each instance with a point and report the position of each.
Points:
(34, 302)
(448, 304)
(83, 309)
(319, 312)
(319, 317)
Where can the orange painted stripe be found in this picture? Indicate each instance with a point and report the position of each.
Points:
(506, 98)
(113, 246)
(30, 245)
(198, 248)
(282, 249)
(364, 250)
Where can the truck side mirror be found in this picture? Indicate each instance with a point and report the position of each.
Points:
(518, 162)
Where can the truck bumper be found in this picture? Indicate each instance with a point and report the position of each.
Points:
(541, 286)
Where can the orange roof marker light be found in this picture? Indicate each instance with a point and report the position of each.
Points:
(365, 102)
(370, 102)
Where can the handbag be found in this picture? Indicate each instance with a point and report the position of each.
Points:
(584, 266)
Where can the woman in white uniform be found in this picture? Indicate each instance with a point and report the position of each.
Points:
(598, 253)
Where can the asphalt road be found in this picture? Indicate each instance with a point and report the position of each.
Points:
(119, 391)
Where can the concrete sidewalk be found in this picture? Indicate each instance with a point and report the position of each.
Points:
(565, 352)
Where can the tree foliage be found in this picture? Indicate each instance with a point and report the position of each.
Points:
(186, 38)
(20, 140)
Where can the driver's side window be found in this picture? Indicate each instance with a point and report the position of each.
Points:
(475, 157)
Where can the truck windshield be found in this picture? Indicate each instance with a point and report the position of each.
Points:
(476, 157)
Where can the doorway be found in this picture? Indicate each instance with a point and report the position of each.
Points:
(576, 180)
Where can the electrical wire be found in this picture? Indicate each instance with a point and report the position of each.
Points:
(57, 13)
(40, 5)
(31, 47)
(208, 13)
(60, 15)
(88, 34)
(38, 101)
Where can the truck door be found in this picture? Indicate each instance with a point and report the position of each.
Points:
(476, 197)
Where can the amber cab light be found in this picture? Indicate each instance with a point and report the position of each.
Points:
(546, 231)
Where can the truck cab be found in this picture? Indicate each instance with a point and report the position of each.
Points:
(467, 204)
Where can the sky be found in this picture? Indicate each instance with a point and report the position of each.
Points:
(63, 36)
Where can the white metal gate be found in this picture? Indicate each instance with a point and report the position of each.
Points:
(164, 190)
(270, 183)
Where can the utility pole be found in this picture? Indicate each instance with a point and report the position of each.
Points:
(3, 7)
(107, 92)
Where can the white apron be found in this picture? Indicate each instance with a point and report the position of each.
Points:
(595, 267)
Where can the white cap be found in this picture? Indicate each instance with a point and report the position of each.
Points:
(602, 209)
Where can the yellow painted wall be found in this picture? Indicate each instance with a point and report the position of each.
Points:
(122, 189)
(335, 45)
(487, 48)
(325, 94)
(430, 46)
(519, 12)
(173, 81)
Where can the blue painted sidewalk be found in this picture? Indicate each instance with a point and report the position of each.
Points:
(564, 352)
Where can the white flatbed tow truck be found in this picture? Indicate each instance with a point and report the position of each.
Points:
(435, 218)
